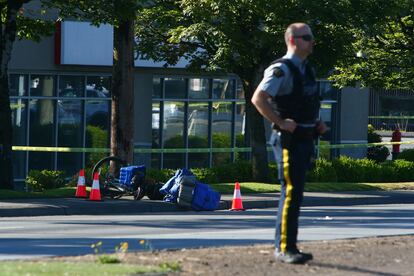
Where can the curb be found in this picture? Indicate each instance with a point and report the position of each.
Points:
(127, 206)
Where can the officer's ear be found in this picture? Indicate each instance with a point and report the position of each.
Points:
(291, 40)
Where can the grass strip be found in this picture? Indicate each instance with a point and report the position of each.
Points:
(50, 193)
(254, 187)
(53, 268)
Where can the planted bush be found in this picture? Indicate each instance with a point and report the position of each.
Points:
(323, 172)
(42, 180)
(378, 153)
(373, 137)
(407, 155)
(273, 172)
(387, 172)
(205, 175)
(159, 175)
(371, 171)
(343, 169)
(403, 170)
(239, 171)
(347, 170)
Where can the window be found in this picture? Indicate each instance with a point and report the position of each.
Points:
(71, 86)
(98, 87)
(175, 88)
(173, 127)
(64, 111)
(199, 88)
(18, 85)
(42, 86)
(198, 136)
(193, 116)
(41, 133)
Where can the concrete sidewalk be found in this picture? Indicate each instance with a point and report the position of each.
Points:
(128, 206)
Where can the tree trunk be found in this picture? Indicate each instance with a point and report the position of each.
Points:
(6, 164)
(122, 118)
(7, 38)
(256, 129)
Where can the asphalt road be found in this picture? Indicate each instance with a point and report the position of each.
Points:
(31, 237)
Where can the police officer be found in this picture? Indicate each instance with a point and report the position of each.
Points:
(288, 97)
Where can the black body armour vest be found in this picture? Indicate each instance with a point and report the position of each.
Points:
(303, 103)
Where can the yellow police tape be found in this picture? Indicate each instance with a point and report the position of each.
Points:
(390, 117)
(192, 150)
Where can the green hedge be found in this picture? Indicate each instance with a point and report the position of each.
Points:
(38, 181)
(407, 154)
(323, 172)
(346, 169)
(343, 169)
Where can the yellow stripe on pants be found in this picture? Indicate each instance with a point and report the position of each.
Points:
(288, 199)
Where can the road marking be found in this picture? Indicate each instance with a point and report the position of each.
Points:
(11, 227)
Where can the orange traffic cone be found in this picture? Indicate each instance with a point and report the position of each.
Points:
(95, 191)
(81, 188)
(237, 204)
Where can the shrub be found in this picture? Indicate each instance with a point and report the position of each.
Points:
(371, 171)
(232, 172)
(41, 180)
(387, 172)
(205, 175)
(373, 137)
(403, 170)
(273, 173)
(378, 153)
(407, 155)
(347, 169)
(343, 169)
(159, 175)
(322, 172)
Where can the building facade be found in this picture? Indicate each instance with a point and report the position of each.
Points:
(61, 92)
(60, 97)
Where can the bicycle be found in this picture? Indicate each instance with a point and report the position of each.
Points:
(117, 178)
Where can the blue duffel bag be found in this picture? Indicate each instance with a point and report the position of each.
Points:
(205, 198)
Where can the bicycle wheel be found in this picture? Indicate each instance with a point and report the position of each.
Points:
(109, 172)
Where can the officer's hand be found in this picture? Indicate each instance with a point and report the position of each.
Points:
(288, 125)
(321, 127)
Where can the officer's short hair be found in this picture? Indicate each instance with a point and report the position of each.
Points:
(291, 30)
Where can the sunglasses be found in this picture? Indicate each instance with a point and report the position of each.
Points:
(306, 37)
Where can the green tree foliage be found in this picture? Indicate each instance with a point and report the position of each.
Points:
(385, 51)
(243, 37)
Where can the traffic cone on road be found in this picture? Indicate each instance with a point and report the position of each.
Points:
(237, 204)
(81, 188)
(95, 191)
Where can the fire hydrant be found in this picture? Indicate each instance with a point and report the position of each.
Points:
(396, 137)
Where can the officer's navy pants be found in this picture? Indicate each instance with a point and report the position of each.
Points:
(293, 160)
